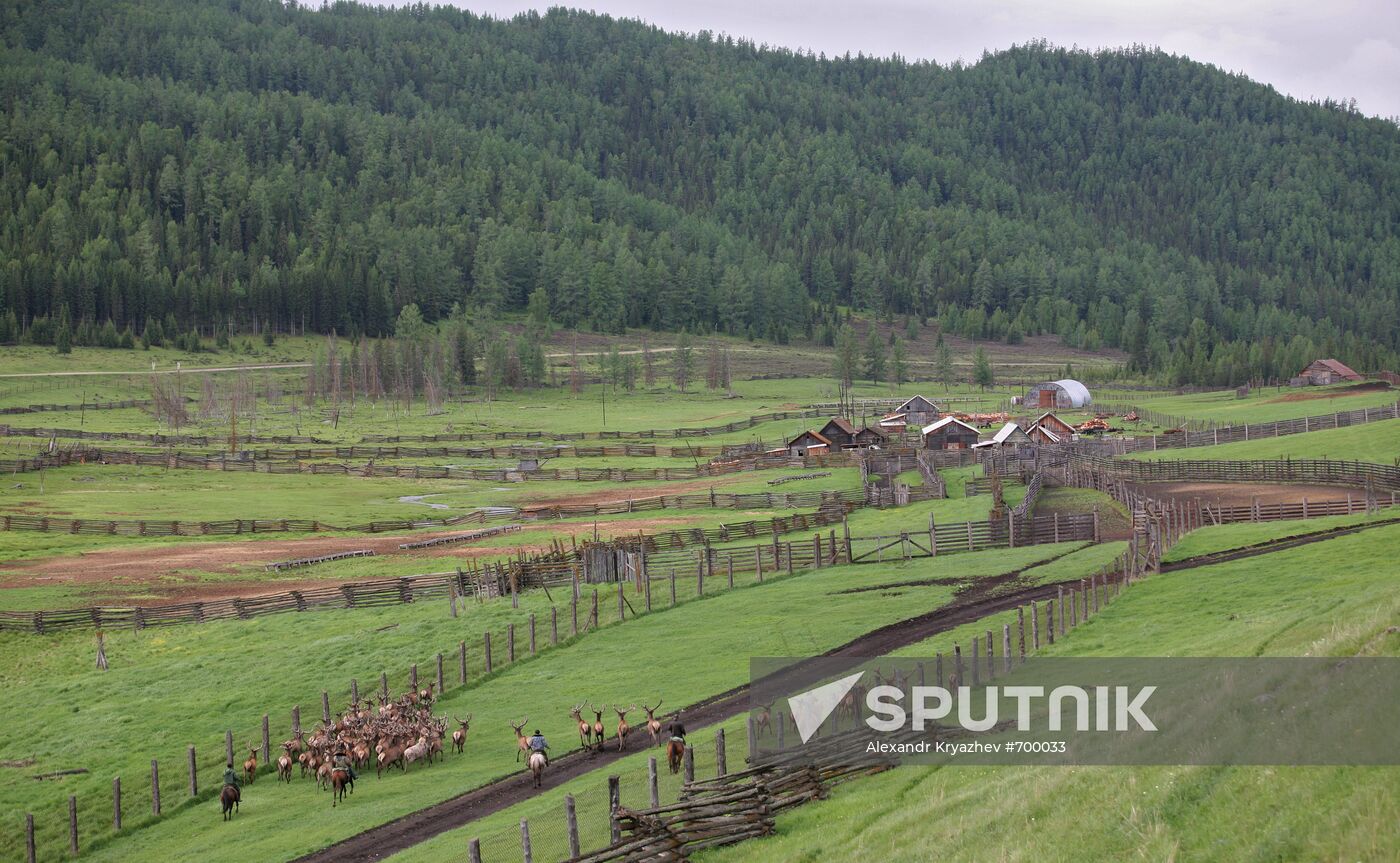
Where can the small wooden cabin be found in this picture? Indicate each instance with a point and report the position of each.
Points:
(808, 443)
(1043, 434)
(1324, 372)
(1009, 435)
(869, 436)
(949, 433)
(1061, 429)
(918, 411)
(840, 433)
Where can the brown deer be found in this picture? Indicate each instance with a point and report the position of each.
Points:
(459, 737)
(250, 767)
(585, 728)
(284, 764)
(653, 724)
(599, 733)
(622, 726)
(425, 695)
(764, 720)
(522, 743)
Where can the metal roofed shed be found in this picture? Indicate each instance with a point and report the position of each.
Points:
(1061, 394)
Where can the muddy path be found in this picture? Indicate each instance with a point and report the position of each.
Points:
(380, 842)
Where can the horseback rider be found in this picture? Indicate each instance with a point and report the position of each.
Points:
(677, 729)
(342, 761)
(538, 744)
(231, 776)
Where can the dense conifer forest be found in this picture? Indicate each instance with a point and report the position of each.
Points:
(248, 165)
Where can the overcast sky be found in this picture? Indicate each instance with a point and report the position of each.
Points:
(1312, 49)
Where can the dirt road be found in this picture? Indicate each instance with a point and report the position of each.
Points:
(380, 842)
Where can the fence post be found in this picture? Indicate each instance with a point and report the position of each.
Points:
(527, 856)
(1035, 625)
(553, 625)
(699, 574)
(194, 773)
(673, 586)
(846, 532)
(1021, 625)
(758, 561)
(474, 851)
(462, 662)
(266, 742)
(116, 803)
(441, 682)
(72, 824)
(29, 837)
(486, 649)
(651, 782)
(593, 612)
(573, 615)
(728, 565)
(413, 676)
(976, 661)
(296, 719)
(721, 764)
(228, 745)
(789, 558)
(1060, 604)
(614, 801)
(752, 727)
(571, 819)
(326, 701)
(1006, 646)
(354, 691)
(532, 629)
(688, 765)
(1049, 621)
(932, 537)
(510, 642)
(991, 657)
(155, 787)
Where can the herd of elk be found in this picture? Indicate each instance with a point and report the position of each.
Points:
(592, 734)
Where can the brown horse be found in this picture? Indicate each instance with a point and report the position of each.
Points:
(229, 798)
(537, 761)
(340, 781)
(675, 751)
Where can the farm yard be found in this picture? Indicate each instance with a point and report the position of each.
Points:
(270, 561)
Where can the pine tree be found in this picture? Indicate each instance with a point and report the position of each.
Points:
(943, 363)
(899, 363)
(874, 356)
(982, 372)
(682, 361)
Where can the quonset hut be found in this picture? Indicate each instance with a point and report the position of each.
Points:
(1058, 394)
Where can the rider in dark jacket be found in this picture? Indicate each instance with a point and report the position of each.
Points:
(231, 776)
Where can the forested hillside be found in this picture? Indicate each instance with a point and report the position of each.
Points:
(252, 164)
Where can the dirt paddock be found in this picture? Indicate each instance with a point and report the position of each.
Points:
(1243, 494)
(178, 570)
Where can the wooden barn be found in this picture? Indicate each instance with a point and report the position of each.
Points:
(1009, 435)
(839, 432)
(949, 433)
(1044, 434)
(1060, 430)
(1324, 372)
(1058, 394)
(870, 436)
(918, 411)
(809, 443)
(894, 423)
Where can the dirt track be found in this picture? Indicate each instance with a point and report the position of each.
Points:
(380, 842)
(1242, 493)
(161, 567)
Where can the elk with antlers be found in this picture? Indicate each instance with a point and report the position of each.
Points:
(522, 743)
(459, 737)
(284, 764)
(250, 767)
(622, 726)
(585, 728)
(764, 720)
(599, 733)
(653, 724)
